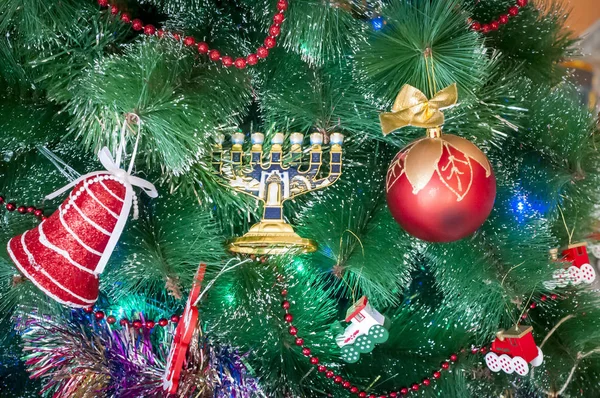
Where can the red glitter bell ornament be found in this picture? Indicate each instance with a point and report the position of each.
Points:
(440, 188)
(64, 255)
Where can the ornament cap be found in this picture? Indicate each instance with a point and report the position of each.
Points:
(434, 132)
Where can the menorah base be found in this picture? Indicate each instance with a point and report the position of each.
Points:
(269, 237)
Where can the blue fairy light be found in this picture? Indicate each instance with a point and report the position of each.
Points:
(525, 206)
(378, 23)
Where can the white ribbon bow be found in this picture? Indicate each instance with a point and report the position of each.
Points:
(113, 168)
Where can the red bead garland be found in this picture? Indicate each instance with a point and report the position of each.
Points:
(452, 359)
(213, 55)
(337, 379)
(22, 209)
(494, 25)
(138, 324)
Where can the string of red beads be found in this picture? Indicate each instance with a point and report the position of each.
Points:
(137, 324)
(503, 19)
(11, 206)
(202, 47)
(337, 379)
(403, 391)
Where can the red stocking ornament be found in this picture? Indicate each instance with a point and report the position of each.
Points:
(64, 255)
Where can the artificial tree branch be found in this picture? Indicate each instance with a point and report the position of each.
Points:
(550, 333)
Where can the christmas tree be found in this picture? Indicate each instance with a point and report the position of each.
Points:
(198, 199)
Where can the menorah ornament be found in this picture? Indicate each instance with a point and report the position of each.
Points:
(275, 182)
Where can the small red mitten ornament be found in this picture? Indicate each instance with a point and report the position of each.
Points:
(440, 188)
(64, 255)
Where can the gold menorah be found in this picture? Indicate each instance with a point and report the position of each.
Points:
(273, 183)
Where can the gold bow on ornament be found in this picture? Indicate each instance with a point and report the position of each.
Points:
(412, 108)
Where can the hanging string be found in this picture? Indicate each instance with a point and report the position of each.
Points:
(569, 234)
(352, 290)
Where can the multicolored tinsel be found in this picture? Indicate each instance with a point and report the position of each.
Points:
(75, 356)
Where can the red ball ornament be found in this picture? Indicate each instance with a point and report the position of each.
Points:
(111, 320)
(445, 365)
(137, 24)
(503, 19)
(346, 384)
(454, 357)
(149, 30)
(483, 350)
(1, 199)
(299, 341)
(353, 389)
(214, 55)
(262, 52)
(532, 305)
(189, 41)
(486, 28)
(293, 330)
(38, 213)
(252, 59)
(99, 315)
(437, 375)
(11, 206)
(285, 305)
(476, 26)
(321, 368)
(522, 3)
(440, 188)
(137, 324)
(125, 17)
(426, 382)
(494, 25)
(124, 322)
(174, 319)
(270, 42)
(274, 30)
(393, 394)
(329, 374)
(314, 360)
(30, 209)
(337, 379)
(513, 11)
(114, 10)
(404, 391)
(415, 387)
(553, 296)
(362, 394)
(160, 33)
(103, 3)
(88, 310)
(278, 18)
(284, 292)
(202, 47)
(543, 298)
(150, 324)
(306, 351)
(163, 322)
(288, 318)
(22, 209)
